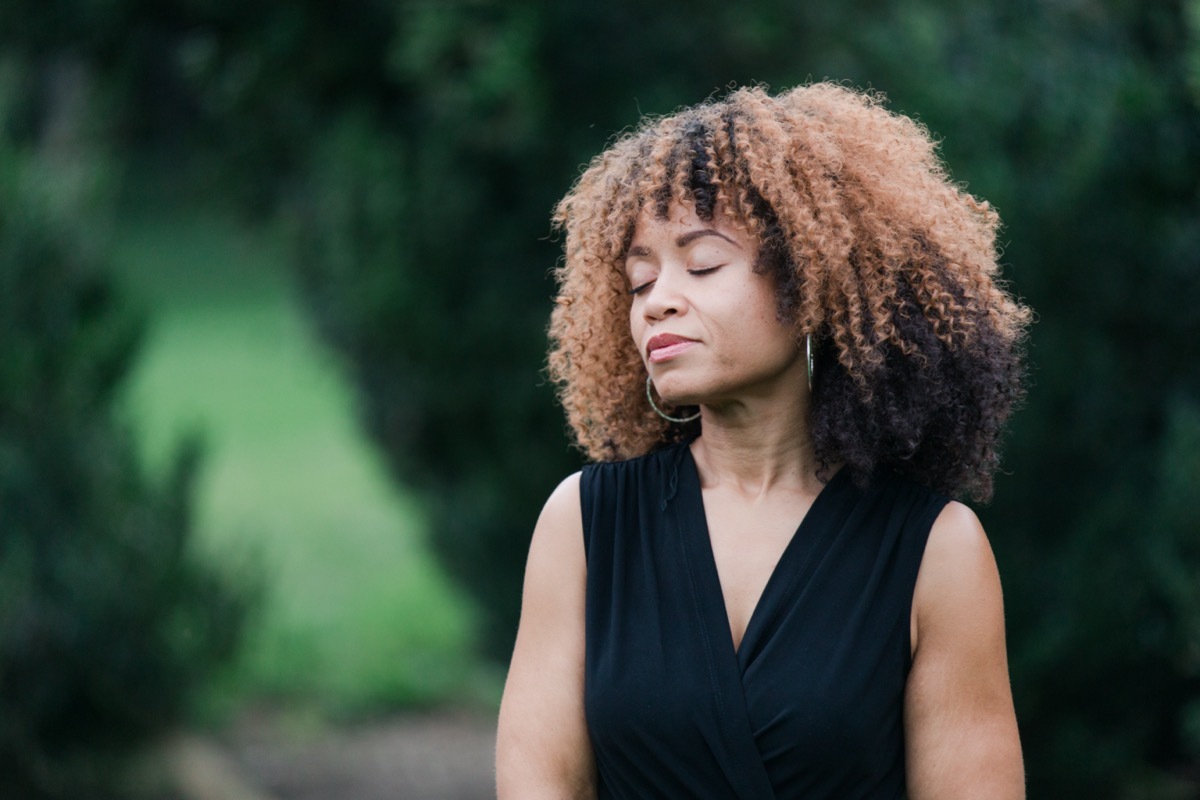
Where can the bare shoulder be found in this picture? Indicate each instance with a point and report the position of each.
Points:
(562, 507)
(556, 569)
(958, 583)
(957, 538)
(559, 529)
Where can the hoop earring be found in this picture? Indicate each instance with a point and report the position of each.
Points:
(659, 411)
(808, 355)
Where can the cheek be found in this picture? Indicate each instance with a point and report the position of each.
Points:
(637, 328)
(762, 318)
(761, 307)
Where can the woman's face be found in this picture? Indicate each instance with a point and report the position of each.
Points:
(704, 321)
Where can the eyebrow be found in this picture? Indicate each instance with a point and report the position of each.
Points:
(691, 236)
(641, 251)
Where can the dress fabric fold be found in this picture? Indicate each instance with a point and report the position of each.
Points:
(810, 705)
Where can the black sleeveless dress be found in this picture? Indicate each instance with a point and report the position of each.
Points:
(810, 705)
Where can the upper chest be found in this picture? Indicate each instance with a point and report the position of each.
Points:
(748, 540)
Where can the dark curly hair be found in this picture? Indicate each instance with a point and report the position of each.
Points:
(889, 266)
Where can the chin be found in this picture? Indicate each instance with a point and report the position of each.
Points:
(679, 392)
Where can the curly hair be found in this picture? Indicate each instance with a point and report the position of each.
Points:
(875, 253)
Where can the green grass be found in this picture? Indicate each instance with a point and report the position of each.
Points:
(356, 616)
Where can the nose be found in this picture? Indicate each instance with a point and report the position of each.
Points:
(664, 298)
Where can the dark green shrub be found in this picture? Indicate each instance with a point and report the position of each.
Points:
(107, 621)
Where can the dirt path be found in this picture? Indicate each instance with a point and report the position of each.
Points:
(445, 756)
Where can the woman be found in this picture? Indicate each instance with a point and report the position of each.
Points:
(781, 337)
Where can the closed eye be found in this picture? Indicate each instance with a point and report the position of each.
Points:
(697, 271)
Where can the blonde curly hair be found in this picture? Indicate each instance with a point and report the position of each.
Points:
(888, 265)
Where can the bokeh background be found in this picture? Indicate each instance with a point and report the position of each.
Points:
(273, 291)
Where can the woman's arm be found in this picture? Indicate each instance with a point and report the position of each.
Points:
(961, 730)
(542, 745)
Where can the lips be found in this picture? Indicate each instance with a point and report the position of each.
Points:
(666, 346)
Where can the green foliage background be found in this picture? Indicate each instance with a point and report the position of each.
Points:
(413, 150)
(108, 622)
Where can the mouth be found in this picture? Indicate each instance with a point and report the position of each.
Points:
(666, 346)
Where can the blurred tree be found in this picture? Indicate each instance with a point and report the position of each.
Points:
(107, 621)
(417, 149)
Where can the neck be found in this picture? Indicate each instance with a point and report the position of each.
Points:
(757, 445)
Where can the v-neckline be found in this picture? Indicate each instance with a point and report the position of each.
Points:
(782, 569)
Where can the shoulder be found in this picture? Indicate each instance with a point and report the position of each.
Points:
(958, 585)
(629, 477)
(653, 459)
(899, 501)
(556, 567)
(957, 544)
(561, 521)
(564, 498)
